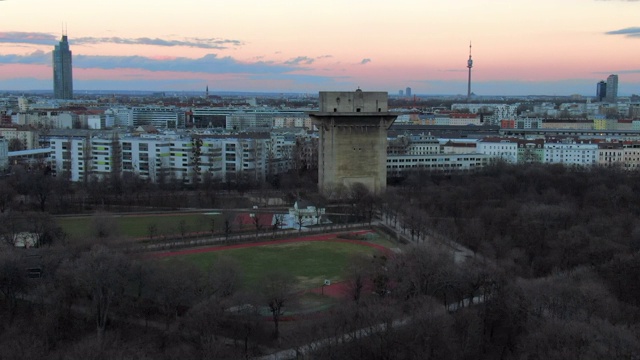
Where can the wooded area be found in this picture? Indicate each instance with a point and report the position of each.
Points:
(555, 274)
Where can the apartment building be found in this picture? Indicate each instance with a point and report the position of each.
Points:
(70, 157)
(118, 117)
(52, 119)
(28, 136)
(397, 165)
(413, 145)
(571, 151)
(292, 121)
(161, 117)
(499, 148)
(4, 153)
(631, 155)
(530, 151)
(611, 154)
(244, 120)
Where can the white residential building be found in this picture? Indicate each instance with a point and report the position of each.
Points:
(148, 157)
(161, 117)
(119, 116)
(413, 145)
(4, 153)
(528, 123)
(290, 121)
(165, 157)
(26, 135)
(499, 148)
(52, 119)
(504, 111)
(69, 156)
(399, 164)
(571, 152)
(241, 121)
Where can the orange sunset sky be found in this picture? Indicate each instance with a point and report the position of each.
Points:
(520, 47)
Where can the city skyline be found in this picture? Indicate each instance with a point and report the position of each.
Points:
(532, 47)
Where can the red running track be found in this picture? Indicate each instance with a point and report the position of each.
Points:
(324, 237)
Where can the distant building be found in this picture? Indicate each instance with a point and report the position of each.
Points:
(62, 70)
(4, 153)
(631, 155)
(242, 121)
(601, 90)
(571, 151)
(27, 136)
(612, 88)
(530, 150)
(408, 91)
(400, 165)
(162, 117)
(499, 148)
(611, 154)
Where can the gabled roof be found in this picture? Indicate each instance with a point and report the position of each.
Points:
(302, 204)
(264, 219)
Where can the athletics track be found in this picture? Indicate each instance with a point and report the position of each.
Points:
(336, 290)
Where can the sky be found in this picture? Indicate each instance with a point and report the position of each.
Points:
(519, 47)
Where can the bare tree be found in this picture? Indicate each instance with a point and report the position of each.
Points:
(255, 218)
(102, 274)
(104, 226)
(176, 288)
(13, 280)
(360, 269)
(7, 194)
(277, 290)
(224, 277)
(278, 222)
(182, 228)
(152, 230)
(212, 225)
(227, 226)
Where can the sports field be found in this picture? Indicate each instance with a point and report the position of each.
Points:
(310, 259)
(138, 226)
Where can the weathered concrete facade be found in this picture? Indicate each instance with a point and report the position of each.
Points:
(353, 140)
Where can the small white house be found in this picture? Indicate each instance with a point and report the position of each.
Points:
(303, 213)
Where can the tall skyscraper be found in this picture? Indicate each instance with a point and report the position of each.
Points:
(407, 91)
(469, 66)
(612, 88)
(601, 90)
(62, 76)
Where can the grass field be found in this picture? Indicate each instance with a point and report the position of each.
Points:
(310, 262)
(377, 238)
(137, 226)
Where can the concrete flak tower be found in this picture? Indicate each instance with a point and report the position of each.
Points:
(353, 140)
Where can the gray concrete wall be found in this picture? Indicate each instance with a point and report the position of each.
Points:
(356, 101)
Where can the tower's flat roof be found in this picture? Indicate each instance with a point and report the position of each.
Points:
(352, 114)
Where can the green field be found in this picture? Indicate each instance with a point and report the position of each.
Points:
(311, 262)
(137, 226)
